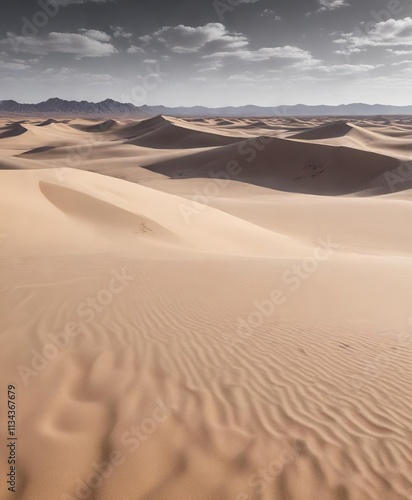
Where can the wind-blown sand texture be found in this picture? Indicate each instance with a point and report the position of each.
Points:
(207, 309)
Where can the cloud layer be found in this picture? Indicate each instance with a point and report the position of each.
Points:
(244, 51)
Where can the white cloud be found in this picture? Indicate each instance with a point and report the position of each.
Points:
(135, 50)
(400, 63)
(100, 36)
(264, 54)
(316, 66)
(347, 69)
(209, 66)
(252, 77)
(18, 66)
(391, 33)
(399, 52)
(119, 32)
(271, 13)
(186, 39)
(81, 45)
(332, 4)
(59, 75)
(65, 74)
(99, 79)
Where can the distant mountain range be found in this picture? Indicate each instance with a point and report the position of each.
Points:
(109, 107)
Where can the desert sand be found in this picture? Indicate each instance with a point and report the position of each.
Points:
(207, 309)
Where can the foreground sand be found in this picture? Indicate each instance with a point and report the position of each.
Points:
(207, 309)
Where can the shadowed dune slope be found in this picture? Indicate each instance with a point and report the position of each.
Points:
(331, 158)
(164, 132)
(286, 165)
(13, 130)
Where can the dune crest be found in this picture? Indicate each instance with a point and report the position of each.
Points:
(327, 131)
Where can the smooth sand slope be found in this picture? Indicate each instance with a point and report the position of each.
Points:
(207, 309)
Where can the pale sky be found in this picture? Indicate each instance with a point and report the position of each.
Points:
(207, 52)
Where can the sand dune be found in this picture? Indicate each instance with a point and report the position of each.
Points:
(12, 130)
(207, 308)
(379, 140)
(286, 165)
(327, 131)
(79, 207)
(163, 132)
(98, 127)
(48, 122)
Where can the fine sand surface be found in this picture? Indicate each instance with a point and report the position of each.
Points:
(207, 309)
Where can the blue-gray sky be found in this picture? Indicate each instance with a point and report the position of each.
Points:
(207, 52)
